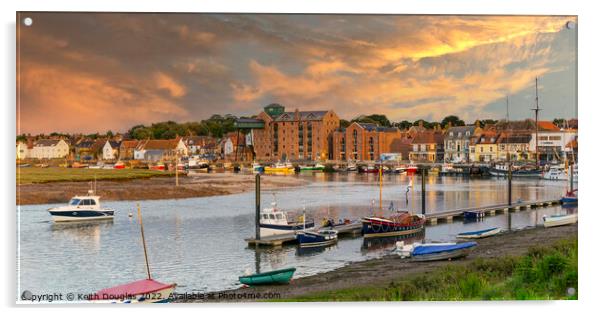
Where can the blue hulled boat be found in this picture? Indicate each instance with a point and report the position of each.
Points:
(437, 251)
(320, 238)
(569, 198)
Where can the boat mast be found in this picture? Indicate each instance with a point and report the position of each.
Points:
(144, 243)
(380, 179)
(536, 110)
(507, 135)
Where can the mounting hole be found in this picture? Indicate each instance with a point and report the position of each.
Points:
(28, 21)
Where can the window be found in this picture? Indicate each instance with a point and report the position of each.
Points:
(272, 216)
(278, 216)
(92, 202)
(74, 202)
(265, 216)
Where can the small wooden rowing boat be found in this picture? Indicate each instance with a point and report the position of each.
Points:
(143, 291)
(559, 220)
(437, 251)
(480, 233)
(281, 276)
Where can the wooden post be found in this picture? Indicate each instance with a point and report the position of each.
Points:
(257, 205)
(144, 243)
(380, 181)
(177, 180)
(571, 178)
(509, 183)
(423, 190)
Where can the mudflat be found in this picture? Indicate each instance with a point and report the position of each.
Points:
(153, 188)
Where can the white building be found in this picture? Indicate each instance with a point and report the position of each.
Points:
(160, 149)
(553, 144)
(110, 150)
(49, 149)
(22, 150)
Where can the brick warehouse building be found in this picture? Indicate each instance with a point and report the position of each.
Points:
(298, 135)
(363, 141)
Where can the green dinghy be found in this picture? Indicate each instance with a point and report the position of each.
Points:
(281, 276)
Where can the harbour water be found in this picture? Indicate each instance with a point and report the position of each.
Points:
(199, 244)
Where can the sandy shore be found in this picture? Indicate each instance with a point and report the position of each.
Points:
(194, 185)
(391, 268)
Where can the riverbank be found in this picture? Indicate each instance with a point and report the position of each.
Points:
(152, 188)
(390, 278)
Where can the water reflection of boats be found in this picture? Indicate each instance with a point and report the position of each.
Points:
(312, 251)
(388, 243)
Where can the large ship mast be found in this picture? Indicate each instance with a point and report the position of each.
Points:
(536, 110)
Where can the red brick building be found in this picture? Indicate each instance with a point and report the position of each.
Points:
(297, 135)
(363, 141)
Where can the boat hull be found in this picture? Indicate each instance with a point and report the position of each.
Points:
(442, 251)
(160, 293)
(282, 276)
(480, 234)
(520, 174)
(373, 229)
(268, 230)
(81, 215)
(307, 240)
(560, 220)
(568, 200)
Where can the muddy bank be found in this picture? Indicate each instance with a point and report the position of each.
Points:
(193, 185)
(385, 270)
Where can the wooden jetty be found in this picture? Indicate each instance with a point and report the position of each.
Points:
(279, 240)
(448, 216)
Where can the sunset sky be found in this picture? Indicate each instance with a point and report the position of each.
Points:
(85, 72)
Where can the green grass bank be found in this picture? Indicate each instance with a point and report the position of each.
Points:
(544, 273)
(59, 174)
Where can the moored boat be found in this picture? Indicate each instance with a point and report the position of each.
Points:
(525, 171)
(142, 291)
(81, 208)
(569, 198)
(257, 167)
(437, 251)
(473, 215)
(559, 220)
(323, 237)
(411, 169)
(282, 276)
(119, 165)
(368, 169)
(559, 172)
(280, 168)
(316, 167)
(402, 223)
(480, 233)
(273, 222)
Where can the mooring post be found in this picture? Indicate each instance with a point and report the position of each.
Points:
(571, 185)
(257, 205)
(509, 184)
(423, 191)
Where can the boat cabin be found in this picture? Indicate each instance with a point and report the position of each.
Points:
(85, 201)
(273, 216)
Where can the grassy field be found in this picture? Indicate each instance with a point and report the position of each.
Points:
(544, 273)
(56, 174)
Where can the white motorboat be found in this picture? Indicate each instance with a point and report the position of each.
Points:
(559, 220)
(559, 172)
(273, 222)
(81, 208)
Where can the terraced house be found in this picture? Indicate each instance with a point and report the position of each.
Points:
(297, 135)
(363, 141)
(427, 146)
(457, 142)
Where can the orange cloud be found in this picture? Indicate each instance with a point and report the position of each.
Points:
(164, 81)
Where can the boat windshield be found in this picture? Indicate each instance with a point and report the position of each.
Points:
(74, 202)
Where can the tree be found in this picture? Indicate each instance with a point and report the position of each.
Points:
(344, 123)
(453, 119)
(403, 124)
(109, 134)
(560, 122)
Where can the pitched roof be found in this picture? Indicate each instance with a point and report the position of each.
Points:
(487, 137)
(459, 132)
(46, 142)
(510, 138)
(303, 116)
(428, 137)
(126, 144)
(547, 126)
(159, 144)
